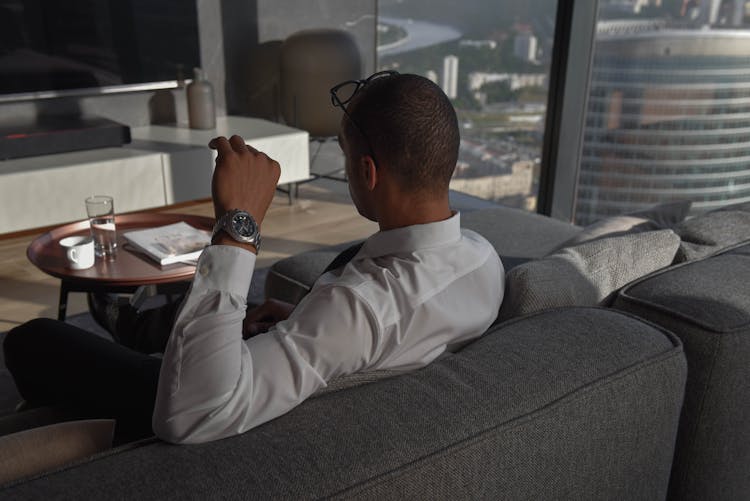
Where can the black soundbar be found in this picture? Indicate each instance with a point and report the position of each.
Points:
(48, 135)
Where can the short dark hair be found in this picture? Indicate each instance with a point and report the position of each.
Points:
(411, 126)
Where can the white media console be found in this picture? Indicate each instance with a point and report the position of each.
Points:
(162, 165)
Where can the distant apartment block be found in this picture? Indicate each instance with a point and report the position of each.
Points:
(502, 172)
(514, 188)
(476, 79)
(450, 76)
(525, 47)
(615, 7)
(668, 118)
(479, 44)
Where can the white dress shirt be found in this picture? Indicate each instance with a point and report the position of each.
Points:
(406, 297)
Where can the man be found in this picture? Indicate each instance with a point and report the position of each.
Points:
(413, 290)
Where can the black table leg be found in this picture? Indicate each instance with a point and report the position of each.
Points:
(62, 305)
(67, 287)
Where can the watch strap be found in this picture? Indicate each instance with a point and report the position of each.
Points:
(219, 225)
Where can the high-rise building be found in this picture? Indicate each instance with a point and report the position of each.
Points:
(525, 46)
(612, 8)
(668, 118)
(450, 76)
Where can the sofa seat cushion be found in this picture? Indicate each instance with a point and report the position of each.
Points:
(707, 304)
(712, 293)
(586, 274)
(576, 403)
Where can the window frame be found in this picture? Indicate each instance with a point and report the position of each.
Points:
(570, 76)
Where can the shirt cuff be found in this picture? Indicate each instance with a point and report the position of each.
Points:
(225, 268)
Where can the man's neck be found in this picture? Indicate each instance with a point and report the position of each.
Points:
(409, 210)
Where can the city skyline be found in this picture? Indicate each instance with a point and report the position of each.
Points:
(501, 92)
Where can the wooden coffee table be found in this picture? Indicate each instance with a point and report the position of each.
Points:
(125, 273)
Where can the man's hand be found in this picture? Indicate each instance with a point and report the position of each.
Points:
(265, 316)
(244, 178)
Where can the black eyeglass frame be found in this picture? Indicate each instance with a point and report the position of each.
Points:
(359, 84)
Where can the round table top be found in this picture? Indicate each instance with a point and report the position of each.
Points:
(128, 268)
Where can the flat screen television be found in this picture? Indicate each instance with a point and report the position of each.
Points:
(54, 48)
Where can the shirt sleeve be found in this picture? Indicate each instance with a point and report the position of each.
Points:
(214, 385)
(202, 359)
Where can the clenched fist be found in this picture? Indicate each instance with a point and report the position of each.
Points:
(244, 178)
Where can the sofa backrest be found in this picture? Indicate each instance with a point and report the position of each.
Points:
(578, 403)
(517, 236)
(706, 303)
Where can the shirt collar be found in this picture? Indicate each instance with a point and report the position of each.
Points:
(411, 238)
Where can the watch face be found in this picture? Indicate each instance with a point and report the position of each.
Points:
(243, 225)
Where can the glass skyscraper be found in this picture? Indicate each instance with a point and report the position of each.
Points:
(668, 118)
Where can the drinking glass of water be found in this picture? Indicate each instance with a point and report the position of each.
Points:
(101, 212)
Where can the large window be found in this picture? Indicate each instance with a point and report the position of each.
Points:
(668, 114)
(492, 58)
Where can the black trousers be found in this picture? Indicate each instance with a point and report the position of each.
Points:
(56, 364)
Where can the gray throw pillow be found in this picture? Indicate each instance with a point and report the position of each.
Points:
(713, 232)
(586, 274)
(659, 217)
(666, 215)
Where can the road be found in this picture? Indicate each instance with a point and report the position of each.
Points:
(420, 34)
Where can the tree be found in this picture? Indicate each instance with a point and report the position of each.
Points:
(498, 92)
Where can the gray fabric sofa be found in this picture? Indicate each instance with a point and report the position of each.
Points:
(565, 404)
(704, 299)
(572, 402)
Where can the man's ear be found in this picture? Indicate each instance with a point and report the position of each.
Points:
(369, 172)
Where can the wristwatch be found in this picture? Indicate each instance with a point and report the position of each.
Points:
(239, 225)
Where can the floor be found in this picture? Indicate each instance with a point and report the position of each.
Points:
(322, 215)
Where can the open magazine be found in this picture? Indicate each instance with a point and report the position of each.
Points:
(173, 243)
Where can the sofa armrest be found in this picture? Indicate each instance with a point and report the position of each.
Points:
(706, 303)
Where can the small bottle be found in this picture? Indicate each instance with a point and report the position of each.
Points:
(200, 96)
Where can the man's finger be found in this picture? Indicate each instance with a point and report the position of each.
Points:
(257, 313)
(221, 145)
(255, 329)
(238, 144)
(258, 327)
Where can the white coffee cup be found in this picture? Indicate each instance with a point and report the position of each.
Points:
(80, 251)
